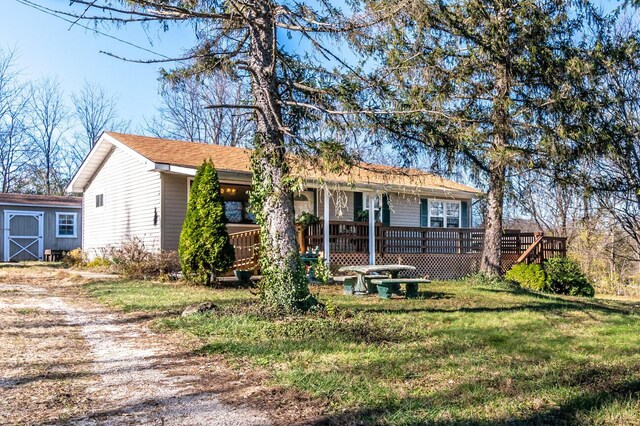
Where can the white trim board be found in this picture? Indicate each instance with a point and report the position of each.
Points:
(57, 206)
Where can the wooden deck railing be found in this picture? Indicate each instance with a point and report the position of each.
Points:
(344, 237)
(542, 248)
(246, 245)
(353, 237)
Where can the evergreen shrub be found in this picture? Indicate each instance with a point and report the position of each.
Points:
(564, 276)
(528, 276)
(205, 251)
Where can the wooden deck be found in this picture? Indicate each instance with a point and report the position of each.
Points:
(442, 253)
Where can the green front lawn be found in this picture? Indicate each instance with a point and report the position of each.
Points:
(465, 353)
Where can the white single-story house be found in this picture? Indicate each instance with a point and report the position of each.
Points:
(137, 186)
(39, 227)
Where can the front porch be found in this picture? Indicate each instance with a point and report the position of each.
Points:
(440, 253)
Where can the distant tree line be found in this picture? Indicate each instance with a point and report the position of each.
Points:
(45, 134)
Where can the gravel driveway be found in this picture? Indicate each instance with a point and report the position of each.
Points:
(64, 360)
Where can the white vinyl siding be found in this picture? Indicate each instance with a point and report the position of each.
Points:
(131, 204)
(346, 200)
(174, 206)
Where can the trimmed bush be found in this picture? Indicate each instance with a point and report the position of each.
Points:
(528, 276)
(564, 276)
(205, 251)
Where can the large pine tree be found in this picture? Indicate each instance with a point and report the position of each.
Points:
(294, 85)
(486, 84)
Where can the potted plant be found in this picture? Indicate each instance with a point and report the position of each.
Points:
(306, 219)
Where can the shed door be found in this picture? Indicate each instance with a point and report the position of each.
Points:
(23, 233)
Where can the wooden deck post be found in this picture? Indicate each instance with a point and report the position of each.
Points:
(301, 237)
(539, 235)
(325, 224)
(372, 229)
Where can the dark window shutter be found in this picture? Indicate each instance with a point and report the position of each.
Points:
(357, 204)
(386, 212)
(424, 212)
(464, 212)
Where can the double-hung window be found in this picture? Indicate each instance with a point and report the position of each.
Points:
(444, 214)
(66, 225)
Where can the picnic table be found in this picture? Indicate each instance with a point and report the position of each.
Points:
(363, 270)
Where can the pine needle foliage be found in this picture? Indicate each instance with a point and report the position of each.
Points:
(491, 86)
(205, 251)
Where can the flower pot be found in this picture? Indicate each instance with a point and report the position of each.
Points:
(243, 275)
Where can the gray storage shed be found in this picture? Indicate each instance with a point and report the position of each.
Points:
(33, 225)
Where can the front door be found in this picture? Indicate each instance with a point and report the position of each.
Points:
(23, 233)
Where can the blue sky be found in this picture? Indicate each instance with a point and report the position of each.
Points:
(47, 47)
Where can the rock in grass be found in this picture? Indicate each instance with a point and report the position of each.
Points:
(199, 308)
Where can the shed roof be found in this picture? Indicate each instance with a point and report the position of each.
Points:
(41, 200)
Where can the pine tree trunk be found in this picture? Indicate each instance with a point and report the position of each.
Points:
(284, 283)
(491, 252)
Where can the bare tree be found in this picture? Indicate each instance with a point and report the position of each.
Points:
(14, 142)
(14, 98)
(96, 111)
(48, 125)
(556, 208)
(184, 113)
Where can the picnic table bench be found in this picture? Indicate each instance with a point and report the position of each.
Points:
(349, 282)
(386, 286)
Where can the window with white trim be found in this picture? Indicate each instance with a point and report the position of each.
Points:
(444, 214)
(66, 225)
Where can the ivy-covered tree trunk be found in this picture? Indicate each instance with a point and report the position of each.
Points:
(284, 285)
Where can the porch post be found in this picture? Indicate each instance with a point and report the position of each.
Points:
(372, 229)
(325, 228)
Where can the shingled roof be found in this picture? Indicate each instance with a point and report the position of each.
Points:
(234, 159)
(186, 154)
(41, 200)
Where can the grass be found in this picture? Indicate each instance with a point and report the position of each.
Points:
(134, 296)
(466, 352)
